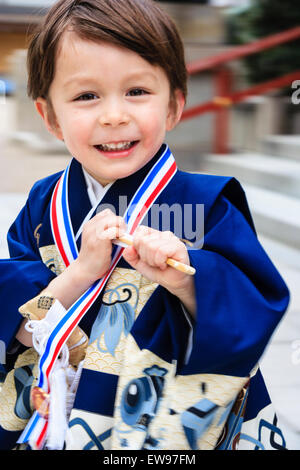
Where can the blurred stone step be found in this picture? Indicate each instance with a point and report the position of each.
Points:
(286, 146)
(273, 173)
(275, 215)
(286, 257)
(272, 186)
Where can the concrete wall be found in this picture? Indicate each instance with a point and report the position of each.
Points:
(197, 23)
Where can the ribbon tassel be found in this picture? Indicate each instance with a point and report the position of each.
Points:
(58, 424)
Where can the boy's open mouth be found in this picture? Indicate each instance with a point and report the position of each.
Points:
(116, 147)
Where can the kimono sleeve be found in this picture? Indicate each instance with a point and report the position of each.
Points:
(240, 295)
(23, 275)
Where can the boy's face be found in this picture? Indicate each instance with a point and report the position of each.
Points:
(111, 107)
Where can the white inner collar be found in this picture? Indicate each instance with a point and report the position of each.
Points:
(95, 189)
(96, 192)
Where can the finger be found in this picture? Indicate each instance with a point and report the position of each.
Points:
(106, 217)
(162, 250)
(144, 243)
(155, 247)
(160, 256)
(145, 231)
(168, 235)
(141, 232)
(130, 254)
(104, 213)
(153, 251)
(156, 250)
(110, 233)
(109, 221)
(98, 220)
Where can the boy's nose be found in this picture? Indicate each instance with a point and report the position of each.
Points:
(113, 116)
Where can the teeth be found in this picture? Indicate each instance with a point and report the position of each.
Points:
(118, 146)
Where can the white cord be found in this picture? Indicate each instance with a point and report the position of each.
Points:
(40, 330)
(63, 378)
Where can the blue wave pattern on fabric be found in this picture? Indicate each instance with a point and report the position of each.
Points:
(23, 377)
(115, 316)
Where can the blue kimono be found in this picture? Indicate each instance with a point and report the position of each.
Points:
(152, 377)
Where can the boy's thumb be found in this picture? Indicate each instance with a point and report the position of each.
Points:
(130, 255)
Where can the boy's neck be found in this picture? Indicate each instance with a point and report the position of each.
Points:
(103, 183)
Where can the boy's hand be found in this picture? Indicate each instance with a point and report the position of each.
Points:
(96, 244)
(148, 255)
(92, 263)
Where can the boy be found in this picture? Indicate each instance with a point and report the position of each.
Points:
(129, 353)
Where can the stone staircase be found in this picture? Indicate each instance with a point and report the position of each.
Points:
(271, 180)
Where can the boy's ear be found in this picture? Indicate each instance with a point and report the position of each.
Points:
(47, 113)
(176, 106)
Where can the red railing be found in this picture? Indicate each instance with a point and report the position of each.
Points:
(224, 94)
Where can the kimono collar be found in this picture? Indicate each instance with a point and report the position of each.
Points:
(95, 189)
(114, 196)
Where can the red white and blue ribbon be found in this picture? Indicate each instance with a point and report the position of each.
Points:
(156, 180)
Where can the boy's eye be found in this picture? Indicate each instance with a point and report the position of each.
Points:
(86, 97)
(137, 92)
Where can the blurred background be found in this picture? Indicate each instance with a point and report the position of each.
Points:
(242, 119)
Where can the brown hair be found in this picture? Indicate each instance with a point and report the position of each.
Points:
(138, 25)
